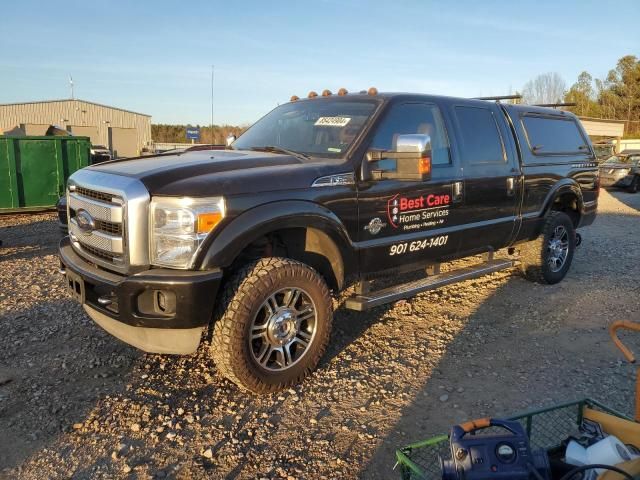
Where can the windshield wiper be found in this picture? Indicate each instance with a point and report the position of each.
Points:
(275, 149)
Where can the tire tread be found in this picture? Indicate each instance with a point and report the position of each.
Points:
(532, 253)
(235, 303)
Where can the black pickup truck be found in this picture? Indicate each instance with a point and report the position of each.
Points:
(246, 245)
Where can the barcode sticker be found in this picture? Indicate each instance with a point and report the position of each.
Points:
(332, 121)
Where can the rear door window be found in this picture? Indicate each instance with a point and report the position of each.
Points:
(481, 142)
(549, 135)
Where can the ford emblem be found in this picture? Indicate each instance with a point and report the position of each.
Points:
(86, 223)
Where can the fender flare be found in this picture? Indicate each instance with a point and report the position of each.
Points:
(563, 187)
(221, 250)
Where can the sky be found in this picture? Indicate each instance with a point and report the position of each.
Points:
(156, 57)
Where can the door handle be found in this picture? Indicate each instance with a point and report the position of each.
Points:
(457, 192)
(511, 183)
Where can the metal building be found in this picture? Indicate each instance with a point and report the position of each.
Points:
(600, 127)
(125, 133)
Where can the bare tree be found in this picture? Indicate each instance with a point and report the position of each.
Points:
(545, 88)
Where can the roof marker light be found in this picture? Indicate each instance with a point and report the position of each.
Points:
(312, 94)
(343, 91)
(372, 91)
(326, 93)
(294, 98)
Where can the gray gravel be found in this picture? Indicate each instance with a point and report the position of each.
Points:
(75, 402)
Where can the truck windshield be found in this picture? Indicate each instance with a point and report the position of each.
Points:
(321, 127)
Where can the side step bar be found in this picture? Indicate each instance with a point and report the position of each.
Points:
(365, 301)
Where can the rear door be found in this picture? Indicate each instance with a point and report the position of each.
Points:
(492, 179)
(409, 222)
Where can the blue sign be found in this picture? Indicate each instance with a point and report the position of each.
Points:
(193, 133)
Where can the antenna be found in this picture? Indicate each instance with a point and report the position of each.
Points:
(211, 125)
(71, 85)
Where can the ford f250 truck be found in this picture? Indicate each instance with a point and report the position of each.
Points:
(242, 248)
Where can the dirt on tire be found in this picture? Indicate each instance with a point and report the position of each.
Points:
(245, 291)
(533, 261)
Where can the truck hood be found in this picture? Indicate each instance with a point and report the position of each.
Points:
(220, 172)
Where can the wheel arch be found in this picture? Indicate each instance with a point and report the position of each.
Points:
(301, 230)
(566, 197)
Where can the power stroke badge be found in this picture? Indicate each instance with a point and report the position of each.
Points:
(417, 212)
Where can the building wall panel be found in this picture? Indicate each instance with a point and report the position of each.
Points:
(78, 113)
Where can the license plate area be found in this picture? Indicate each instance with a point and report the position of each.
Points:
(75, 286)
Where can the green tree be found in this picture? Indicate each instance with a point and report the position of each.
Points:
(615, 97)
(624, 87)
(582, 94)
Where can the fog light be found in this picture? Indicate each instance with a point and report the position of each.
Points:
(165, 301)
(156, 303)
(162, 301)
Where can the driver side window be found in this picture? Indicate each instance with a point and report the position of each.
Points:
(411, 118)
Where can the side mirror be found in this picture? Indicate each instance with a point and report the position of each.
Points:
(230, 139)
(412, 156)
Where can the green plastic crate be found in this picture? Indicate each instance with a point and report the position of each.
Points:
(547, 428)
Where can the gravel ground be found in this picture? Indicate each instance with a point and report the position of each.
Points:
(75, 402)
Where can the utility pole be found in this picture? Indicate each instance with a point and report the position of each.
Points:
(211, 125)
(71, 85)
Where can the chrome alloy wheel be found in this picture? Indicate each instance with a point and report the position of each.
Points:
(558, 248)
(283, 329)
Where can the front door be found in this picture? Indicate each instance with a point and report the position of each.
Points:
(408, 222)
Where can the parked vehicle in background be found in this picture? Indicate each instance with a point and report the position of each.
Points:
(621, 171)
(603, 151)
(61, 210)
(192, 148)
(320, 194)
(99, 154)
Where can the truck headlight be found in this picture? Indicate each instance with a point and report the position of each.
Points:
(178, 227)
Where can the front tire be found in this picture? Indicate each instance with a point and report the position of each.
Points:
(547, 259)
(272, 325)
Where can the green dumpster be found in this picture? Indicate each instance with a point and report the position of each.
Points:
(34, 170)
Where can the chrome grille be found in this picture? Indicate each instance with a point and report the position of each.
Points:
(104, 239)
(112, 232)
(109, 212)
(109, 227)
(99, 253)
(86, 192)
(96, 238)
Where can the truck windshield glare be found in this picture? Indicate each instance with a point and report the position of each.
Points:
(320, 128)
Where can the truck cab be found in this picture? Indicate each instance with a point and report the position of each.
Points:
(321, 194)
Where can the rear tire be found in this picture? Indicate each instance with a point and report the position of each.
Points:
(635, 185)
(272, 325)
(547, 259)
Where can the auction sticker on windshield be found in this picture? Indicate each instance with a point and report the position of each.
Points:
(332, 121)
